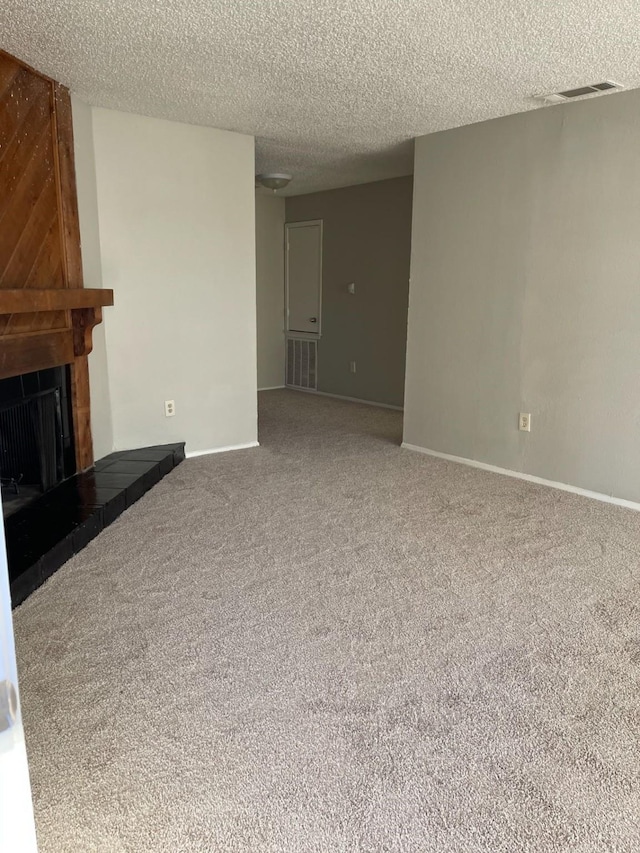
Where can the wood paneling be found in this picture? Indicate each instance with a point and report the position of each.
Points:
(40, 240)
(28, 189)
(67, 198)
(36, 350)
(82, 412)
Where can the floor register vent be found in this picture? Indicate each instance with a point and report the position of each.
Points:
(302, 358)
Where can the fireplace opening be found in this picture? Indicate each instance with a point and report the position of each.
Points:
(36, 435)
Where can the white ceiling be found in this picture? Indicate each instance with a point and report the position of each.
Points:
(333, 90)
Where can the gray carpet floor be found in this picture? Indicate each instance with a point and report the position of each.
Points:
(329, 643)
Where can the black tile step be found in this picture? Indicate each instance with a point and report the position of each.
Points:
(50, 530)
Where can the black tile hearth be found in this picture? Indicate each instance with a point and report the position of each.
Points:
(50, 530)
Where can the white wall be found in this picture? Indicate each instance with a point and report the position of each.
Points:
(17, 827)
(525, 294)
(177, 243)
(101, 421)
(270, 288)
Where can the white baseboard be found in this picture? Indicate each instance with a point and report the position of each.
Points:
(193, 453)
(347, 399)
(530, 478)
(271, 388)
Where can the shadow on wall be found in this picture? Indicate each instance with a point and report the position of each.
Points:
(365, 286)
(270, 215)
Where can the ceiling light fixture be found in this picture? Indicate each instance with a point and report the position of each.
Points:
(273, 180)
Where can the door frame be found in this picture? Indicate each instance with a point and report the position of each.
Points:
(17, 827)
(304, 224)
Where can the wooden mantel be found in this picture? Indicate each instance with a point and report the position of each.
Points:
(29, 350)
(46, 315)
(31, 301)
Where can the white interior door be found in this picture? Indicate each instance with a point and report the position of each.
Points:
(17, 829)
(303, 272)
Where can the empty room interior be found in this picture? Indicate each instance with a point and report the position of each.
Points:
(319, 427)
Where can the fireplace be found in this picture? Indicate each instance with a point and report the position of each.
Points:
(46, 314)
(46, 321)
(36, 435)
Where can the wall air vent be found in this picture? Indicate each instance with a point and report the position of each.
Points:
(580, 92)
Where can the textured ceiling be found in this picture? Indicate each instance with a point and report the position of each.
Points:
(333, 90)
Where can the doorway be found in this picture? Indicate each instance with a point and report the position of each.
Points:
(303, 298)
(303, 277)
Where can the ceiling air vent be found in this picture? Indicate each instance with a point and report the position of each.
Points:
(580, 92)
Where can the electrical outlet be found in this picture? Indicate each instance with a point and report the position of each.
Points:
(524, 424)
(352, 366)
(351, 287)
(169, 408)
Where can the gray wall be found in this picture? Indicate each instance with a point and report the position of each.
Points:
(270, 288)
(367, 240)
(525, 294)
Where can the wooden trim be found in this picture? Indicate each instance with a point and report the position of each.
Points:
(82, 412)
(86, 314)
(66, 181)
(28, 301)
(36, 351)
(84, 320)
(29, 351)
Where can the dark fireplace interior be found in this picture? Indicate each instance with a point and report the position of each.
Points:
(52, 510)
(36, 435)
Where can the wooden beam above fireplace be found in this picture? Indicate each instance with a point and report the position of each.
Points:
(26, 351)
(30, 301)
